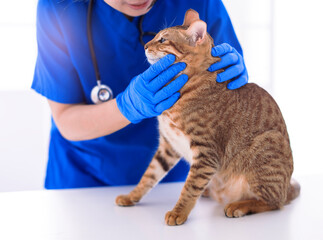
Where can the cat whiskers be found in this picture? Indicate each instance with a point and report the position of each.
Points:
(167, 26)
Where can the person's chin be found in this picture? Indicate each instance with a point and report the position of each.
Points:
(136, 13)
(135, 10)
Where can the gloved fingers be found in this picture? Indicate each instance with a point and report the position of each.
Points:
(230, 73)
(166, 104)
(160, 81)
(158, 67)
(221, 49)
(226, 60)
(239, 82)
(170, 89)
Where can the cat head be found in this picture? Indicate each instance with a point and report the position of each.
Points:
(186, 42)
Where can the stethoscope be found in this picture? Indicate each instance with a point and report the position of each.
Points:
(102, 93)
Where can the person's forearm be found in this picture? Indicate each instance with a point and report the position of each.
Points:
(78, 122)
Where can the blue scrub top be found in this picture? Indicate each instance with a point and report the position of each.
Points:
(64, 73)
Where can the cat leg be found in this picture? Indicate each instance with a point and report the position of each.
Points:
(241, 208)
(198, 178)
(267, 165)
(163, 161)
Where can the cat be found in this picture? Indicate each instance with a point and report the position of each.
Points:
(235, 141)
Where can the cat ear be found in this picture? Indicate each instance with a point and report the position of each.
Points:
(197, 32)
(190, 17)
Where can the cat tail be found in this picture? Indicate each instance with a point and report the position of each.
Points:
(293, 191)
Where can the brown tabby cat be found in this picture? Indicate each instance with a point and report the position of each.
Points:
(235, 140)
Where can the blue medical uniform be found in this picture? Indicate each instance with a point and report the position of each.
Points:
(64, 73)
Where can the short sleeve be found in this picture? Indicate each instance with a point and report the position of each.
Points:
(55, 76)
(220, 25)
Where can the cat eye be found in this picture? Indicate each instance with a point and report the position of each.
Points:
(162, 40)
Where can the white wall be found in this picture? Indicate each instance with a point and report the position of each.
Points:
(282, 43)
(254, 26)
(24, 120)
(298, 78)
(24, 115)
(17, 44)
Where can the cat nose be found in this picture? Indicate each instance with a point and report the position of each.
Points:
(147, 45)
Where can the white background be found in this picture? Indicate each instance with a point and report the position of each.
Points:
(282, 43)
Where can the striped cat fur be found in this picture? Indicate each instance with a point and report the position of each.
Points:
(235, 141)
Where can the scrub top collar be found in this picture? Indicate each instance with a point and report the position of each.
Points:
(119, 22)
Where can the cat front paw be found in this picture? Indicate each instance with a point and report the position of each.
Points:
(173, 218)
(124, 201)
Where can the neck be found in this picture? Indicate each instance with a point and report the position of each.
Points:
(198, 63)
(199, 59)
(130, 18)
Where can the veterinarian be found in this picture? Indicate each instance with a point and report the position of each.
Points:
(82, 60)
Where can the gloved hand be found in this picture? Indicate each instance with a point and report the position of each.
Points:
(233, 65)
(147, 96)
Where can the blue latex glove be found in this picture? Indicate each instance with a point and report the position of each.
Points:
(233, 65)
(147, 96)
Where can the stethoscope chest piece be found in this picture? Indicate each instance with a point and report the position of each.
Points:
(101, 93)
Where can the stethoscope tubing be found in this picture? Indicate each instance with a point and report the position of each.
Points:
(100, 88)
(90, 40)
(141, 31)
